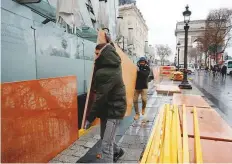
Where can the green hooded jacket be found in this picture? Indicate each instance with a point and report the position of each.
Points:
(110, 102)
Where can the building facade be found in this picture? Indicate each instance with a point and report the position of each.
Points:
(196, 29)
(133, 18)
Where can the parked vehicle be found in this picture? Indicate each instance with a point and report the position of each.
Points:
(190, 68)
(228, 64)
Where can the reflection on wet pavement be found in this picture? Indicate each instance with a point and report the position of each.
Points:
(217, 90)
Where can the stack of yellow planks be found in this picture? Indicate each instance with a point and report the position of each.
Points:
(166, 145)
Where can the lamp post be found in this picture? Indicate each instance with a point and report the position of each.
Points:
(185, 84)
(178, 55)
(175, 60)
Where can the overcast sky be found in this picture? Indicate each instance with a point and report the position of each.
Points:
(161, 16)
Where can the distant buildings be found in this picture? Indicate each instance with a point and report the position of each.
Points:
(133, 18)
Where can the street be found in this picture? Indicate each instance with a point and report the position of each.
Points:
(217, 90)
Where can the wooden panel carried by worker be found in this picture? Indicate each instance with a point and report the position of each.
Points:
(39, 119)
(129, 73)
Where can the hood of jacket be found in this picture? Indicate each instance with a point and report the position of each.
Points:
(108, 58)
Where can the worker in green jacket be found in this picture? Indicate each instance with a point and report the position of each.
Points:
(110, 103)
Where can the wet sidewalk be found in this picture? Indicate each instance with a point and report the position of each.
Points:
(217, 90)
(133, 135)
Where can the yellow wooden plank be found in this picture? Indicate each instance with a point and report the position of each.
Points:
(179, 139)
(161, 146)
(174, 136)
(82, 132)
(166, 152)
(149, 143)
(155, 149)
(197, 140)
(185, 137)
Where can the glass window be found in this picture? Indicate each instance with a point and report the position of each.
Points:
(230, 64)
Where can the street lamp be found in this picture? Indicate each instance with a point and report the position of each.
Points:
(178, 56)
(175, 60)
(185, 84)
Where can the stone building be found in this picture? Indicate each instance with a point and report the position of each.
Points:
(133, 18)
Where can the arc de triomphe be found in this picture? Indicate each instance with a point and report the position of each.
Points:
(196, 29)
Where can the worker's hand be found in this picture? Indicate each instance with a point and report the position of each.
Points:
(108, 38)
(87, 125)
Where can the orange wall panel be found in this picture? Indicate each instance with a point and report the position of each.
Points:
(39, 118)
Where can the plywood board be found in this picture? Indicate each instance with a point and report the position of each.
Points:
(190, 100)
(167, 89)
(212, 151)
(129, 73)
(211, 125)
(38, 119)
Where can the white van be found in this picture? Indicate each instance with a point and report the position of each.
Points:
(228, 64)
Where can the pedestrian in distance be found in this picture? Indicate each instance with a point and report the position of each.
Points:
(141, 87)
(110, 103)
(224, 71)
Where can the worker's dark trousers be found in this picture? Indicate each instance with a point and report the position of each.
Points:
(108, 145)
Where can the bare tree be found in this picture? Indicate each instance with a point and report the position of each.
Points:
(204, 45)
(217, 29)
(163, 51)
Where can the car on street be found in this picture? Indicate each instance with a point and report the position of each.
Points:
(190, 68)
(228, 64)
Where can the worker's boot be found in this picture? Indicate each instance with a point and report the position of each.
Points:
(136, 117)
(143, 111)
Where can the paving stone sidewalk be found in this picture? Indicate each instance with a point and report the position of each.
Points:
(135, 138)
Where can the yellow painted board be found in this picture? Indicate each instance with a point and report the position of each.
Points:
(174, 136)
(166, 152)
(161, 146)
(179, 138)
(149, 143)
(185, 138)
(197, 140)
(153, 154)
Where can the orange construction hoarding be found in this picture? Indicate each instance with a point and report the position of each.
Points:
(39, 119)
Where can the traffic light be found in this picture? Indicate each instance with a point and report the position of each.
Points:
(226, 57)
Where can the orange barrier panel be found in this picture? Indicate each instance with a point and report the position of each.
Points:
(39, 119)
(211, 125)
(212, 151)
(170, 68)
(167, 70)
